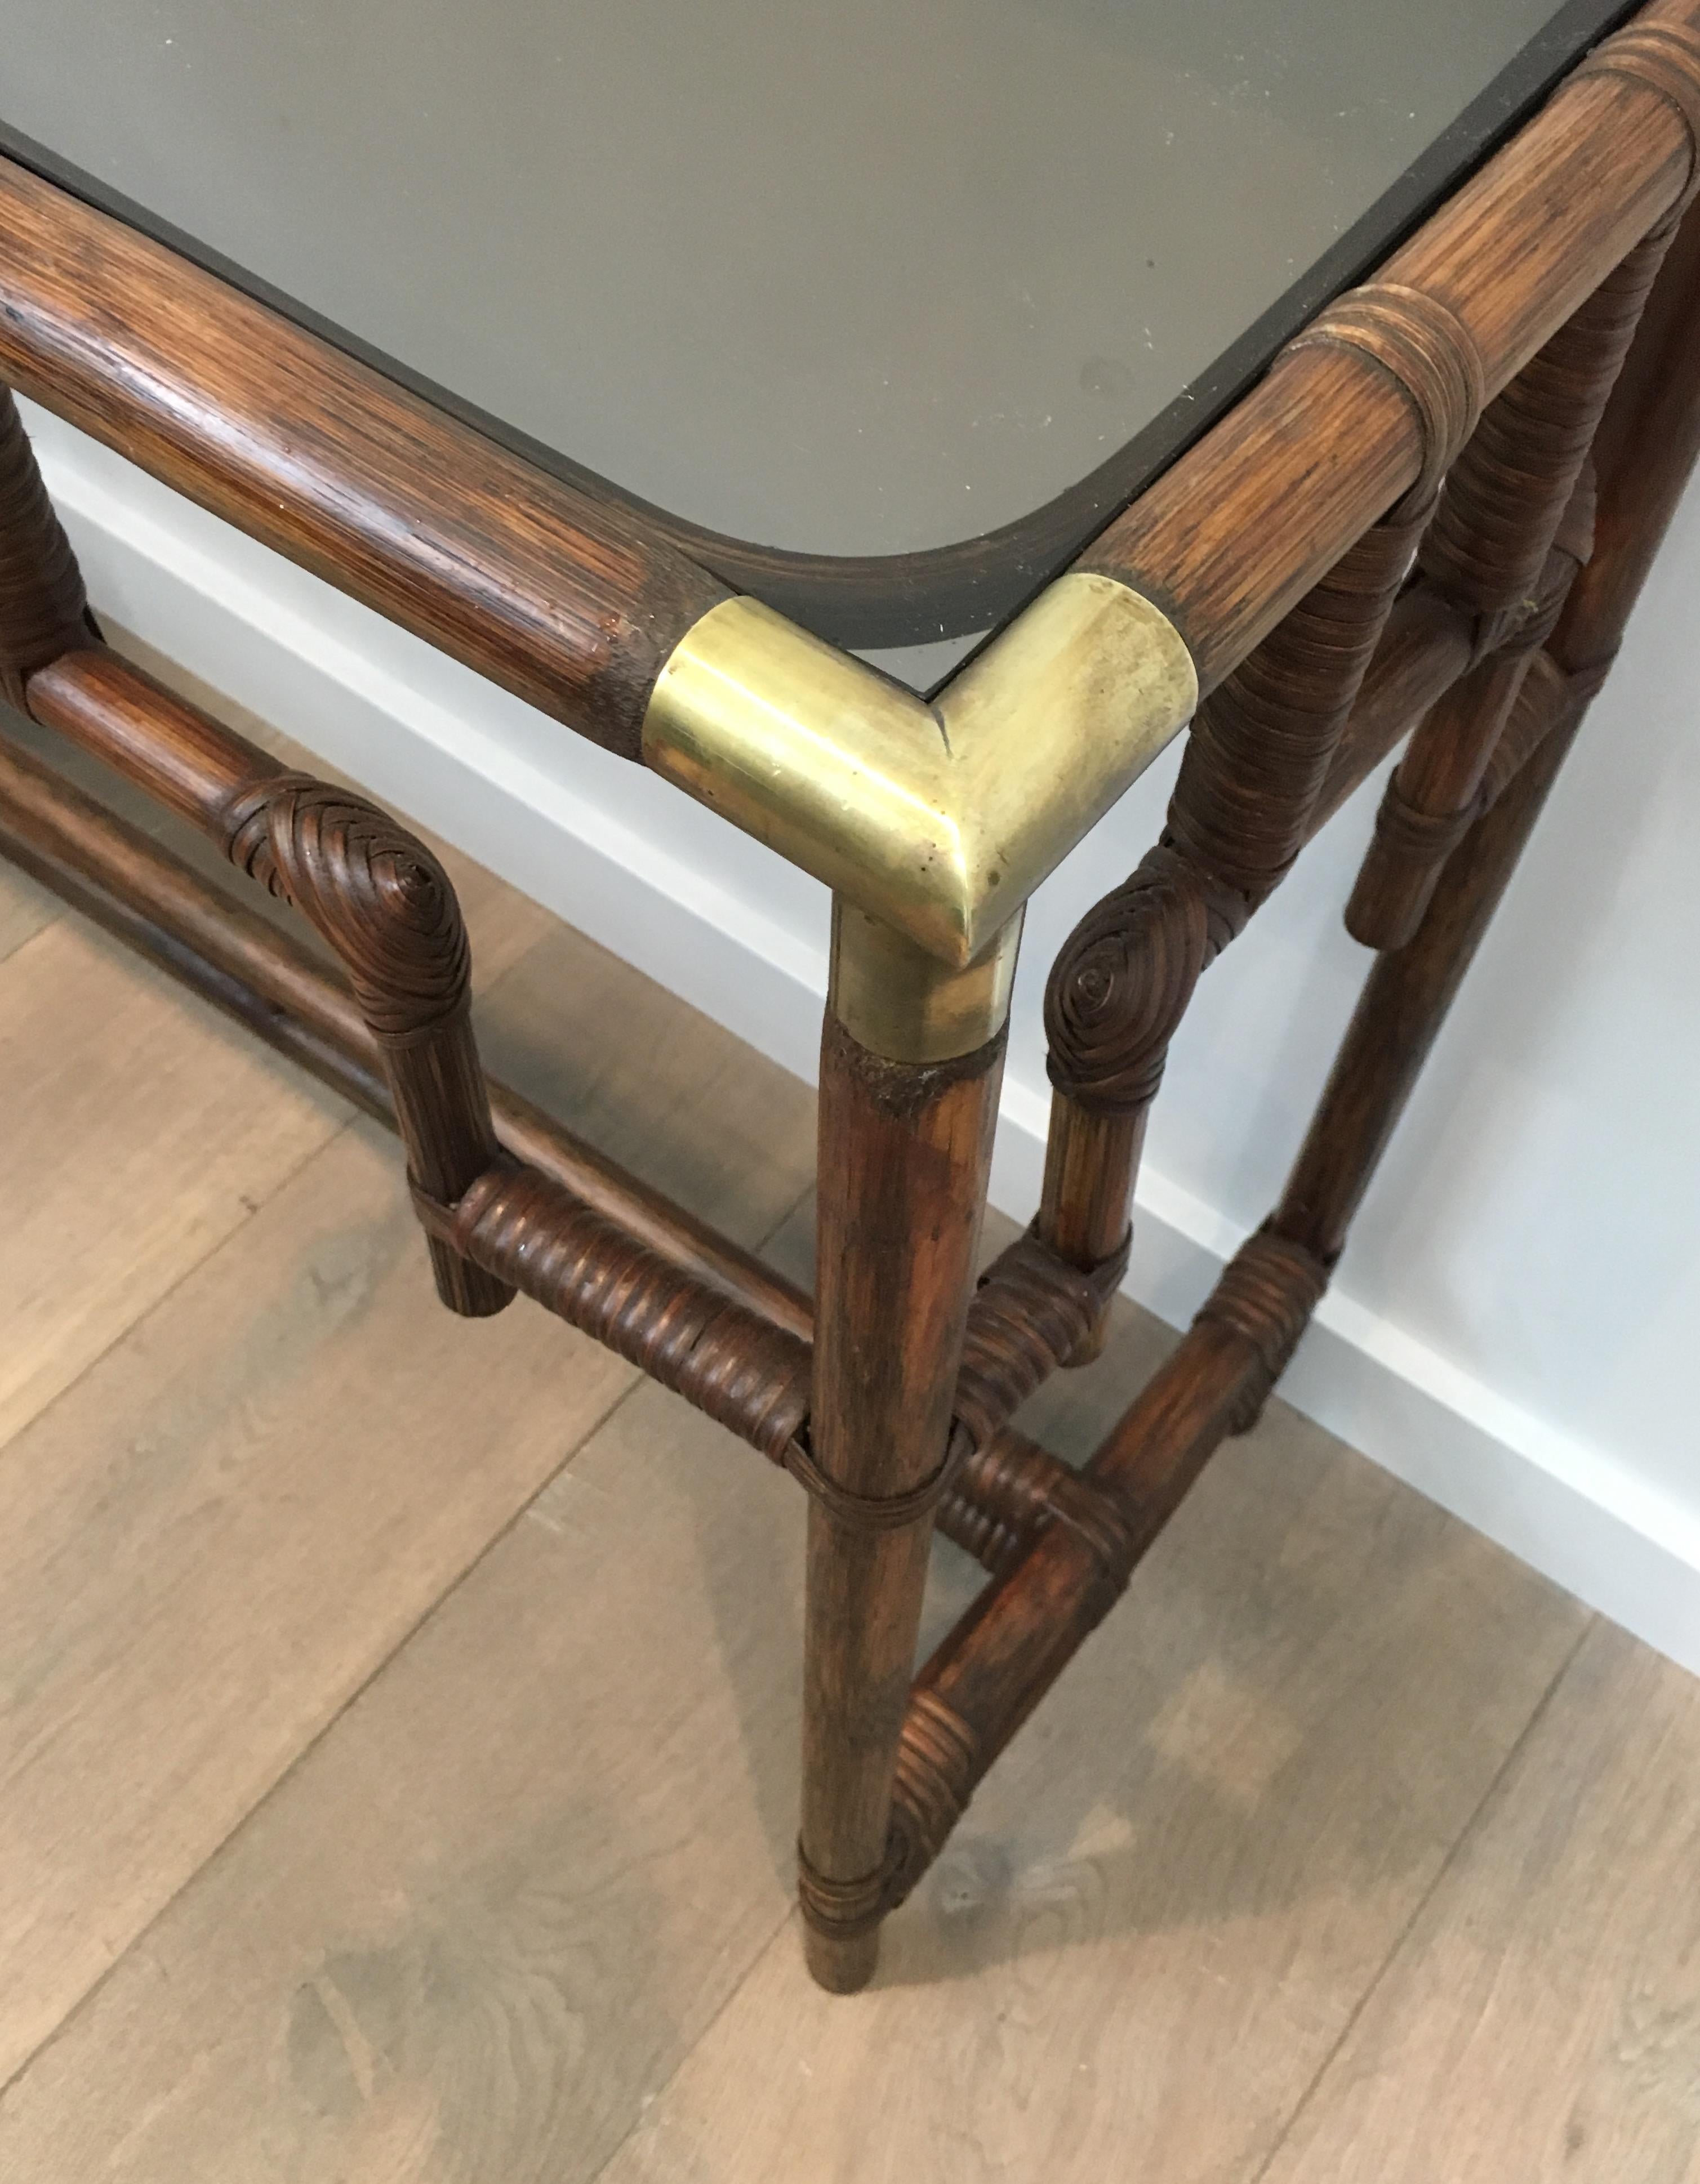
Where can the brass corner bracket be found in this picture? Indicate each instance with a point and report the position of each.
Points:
(938, 821)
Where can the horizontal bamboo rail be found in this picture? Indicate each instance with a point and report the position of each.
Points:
(268, 980)
(570, 602)
(1252, 517)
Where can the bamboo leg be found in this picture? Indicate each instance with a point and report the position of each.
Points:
(1516, 520)
(1404, 1003)
(1647, 443)
(1256, 764)
(903, 1154)
(993, 1669)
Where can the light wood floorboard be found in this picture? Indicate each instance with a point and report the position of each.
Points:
(1542, 2021)
(493, 1908)
(139, 1133)
(25, 910)
(210, 1541)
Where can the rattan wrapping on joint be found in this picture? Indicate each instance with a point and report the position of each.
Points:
(43, 608)
(742, 1370)
(1266, 1295)
(374, 891)
(1029, 1315)
(1261, 745)
(1507, 495)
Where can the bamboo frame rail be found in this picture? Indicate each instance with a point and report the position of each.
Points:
(566, 601)
(1430, 518)
(1340, 427)
(242, 962)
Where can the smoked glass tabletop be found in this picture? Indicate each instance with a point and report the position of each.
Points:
(883, 305)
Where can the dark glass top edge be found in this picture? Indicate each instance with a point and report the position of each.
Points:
(875, 602)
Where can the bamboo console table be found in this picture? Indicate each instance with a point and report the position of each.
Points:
(1421, 511)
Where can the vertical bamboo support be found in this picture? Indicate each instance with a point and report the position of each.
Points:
(1647, 447)
(1256, 766)
(388, 907)
(904, 1153)
(1115, 997)
(1504, 510)
(1091, 1159)
(1404, 1003)
(1644, 452)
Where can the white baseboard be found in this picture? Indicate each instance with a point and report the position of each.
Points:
(613, 853)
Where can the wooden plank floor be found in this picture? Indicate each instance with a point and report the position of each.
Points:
(398, 1715)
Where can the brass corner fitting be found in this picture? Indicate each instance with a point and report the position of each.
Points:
(935, 822)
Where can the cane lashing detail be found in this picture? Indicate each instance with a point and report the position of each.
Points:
(843, 1911)
(853, 1511)
(529, 1233)
(1029, 1315)
(1430, 353)
(1506, 494)
(939, 1764)
(1666, 58)
(1260, 747)
(43, 608)
(1121, 985)
(1520, 483)
(386, 907)
(1267, 1294)
(375, 894)
(1003, 1492)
